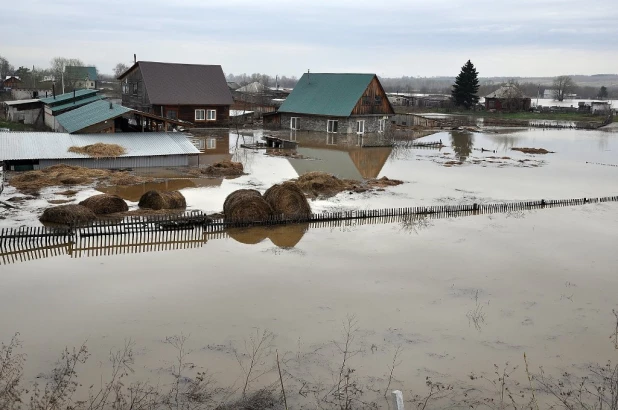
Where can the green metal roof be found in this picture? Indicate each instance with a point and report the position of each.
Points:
(90, 114)
(326, 94)
(78, 103)
(63, 98)
(81, 73)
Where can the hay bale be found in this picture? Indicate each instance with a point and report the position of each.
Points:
(321, 183)
(246, 205)
(162, 200)
(287, 199)
(99, 150)
(225, 168)
(105, 204)
(66, 214)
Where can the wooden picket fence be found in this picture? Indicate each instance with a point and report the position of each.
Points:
(194, 229)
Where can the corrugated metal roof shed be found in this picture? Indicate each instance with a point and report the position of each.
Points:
(67, 96)
(20, 102)
(90, 114)
(52, 145)
(326, 94)
(78, 103)
(184, 84)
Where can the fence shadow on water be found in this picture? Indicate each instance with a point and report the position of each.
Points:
(195, 229)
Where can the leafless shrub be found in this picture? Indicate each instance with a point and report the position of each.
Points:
(476, 315)
(614, 336)
(253, 360)
(392, 367)
(437, 391)
(62, 384)
(11, 372)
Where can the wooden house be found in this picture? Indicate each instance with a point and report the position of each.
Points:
(11, 81)
(336, 103)
(507, 98)
(188, 92)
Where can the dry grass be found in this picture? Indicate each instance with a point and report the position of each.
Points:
(99, 150)
(66, 214)
(105, 204)
(246, 205)
(287, 199)
(162, 200)
(317, 184)
(533, 150)
(59, 201)
(224, 168)
(68, 192)
(383, 182)
(59, 175)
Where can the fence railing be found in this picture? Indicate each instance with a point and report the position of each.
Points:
(194, 229)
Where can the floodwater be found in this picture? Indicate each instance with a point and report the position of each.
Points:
(457, 295)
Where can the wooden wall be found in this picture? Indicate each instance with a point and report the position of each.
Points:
(187, 113)
(139, 101)
(373, 101)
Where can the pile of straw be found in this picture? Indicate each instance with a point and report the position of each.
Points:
(225, 169)
(56, 175)
(287, 199)
(246, 205)
(99, 150)
(66, 214)
(321, 183)
(105, 204)
(532, 150)
(162, 200)
(383, 182)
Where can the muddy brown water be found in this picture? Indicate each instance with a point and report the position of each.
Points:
(458, 295)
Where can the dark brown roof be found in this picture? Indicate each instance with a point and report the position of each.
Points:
(184, 84)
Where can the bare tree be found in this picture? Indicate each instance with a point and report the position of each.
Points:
(5, 68)
(58, 65)
(562, 86)
(119, 69)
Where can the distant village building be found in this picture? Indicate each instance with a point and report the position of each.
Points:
(11, 81)
(258, 98)
(335, 103)
(507, 98)
(600, 107)
(29, 112)
(189, 92)
(77, 77)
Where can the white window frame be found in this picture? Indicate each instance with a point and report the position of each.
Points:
(360, 126)
(332, 125)
(295, 123)
(200, 115)
(211, 115)
(381, 125)
(211, 143)
(331, 138)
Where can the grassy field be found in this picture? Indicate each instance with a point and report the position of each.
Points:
(15, 126)
(524, 115)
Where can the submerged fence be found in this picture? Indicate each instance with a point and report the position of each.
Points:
(194, 229)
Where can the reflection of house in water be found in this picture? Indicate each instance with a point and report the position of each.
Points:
(462, 143)
(214, 145)
(340, 154)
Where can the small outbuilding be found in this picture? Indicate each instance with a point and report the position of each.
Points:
(35, 150)
(28, 112)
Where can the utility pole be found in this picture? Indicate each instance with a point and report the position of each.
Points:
(62, 77)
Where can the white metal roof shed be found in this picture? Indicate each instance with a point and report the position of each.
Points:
(149, 149)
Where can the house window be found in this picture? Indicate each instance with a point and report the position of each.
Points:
(200, 115)
(332, 125)
(331, 139)
(212, 143)
(360, 127)
(172, 114)
(211, 115)
(295, 123)
(377, 100)
(134, 88)
(381, 125)
(125, 88)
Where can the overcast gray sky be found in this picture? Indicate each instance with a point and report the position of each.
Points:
(391, 38)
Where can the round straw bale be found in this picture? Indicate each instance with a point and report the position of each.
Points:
(249, 236)
(66, 214)
(287, 199)
(105, 204)
(246, 205)
(162, 200)
(287, 236)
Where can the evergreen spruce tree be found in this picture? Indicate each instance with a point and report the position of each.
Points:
(466, 86)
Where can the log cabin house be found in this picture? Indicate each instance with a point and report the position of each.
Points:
(195, 93)
(335, 103)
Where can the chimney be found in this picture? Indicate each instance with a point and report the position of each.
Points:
(134, 58)
(73, 95)
(111, 106)
(54, 90)
(308, 77)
